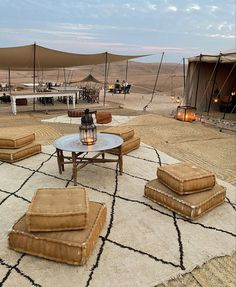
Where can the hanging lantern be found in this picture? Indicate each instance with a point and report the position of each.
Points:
(186, 113)
(87, 129)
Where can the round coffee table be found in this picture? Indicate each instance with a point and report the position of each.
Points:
(71, 143)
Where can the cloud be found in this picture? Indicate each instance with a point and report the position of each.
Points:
(80, 35)
(213, 8)
(144, 7)
(150, 6)
(193, 7)
(223, 36)
(159, 48)
(225, 26)
(129, 7)
(209, 27)
(172, 8)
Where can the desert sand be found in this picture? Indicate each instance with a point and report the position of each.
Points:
(197, 142)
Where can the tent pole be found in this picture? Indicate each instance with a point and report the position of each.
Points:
(213, 85)
(9, 79)
(184, 71)
(154, 88)
(126, 77)
(230, 96)
(64, 70)
(198, 77)
(58, 71)
(34, 75)
(105, 81)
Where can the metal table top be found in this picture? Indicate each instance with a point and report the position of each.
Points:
(72, 143)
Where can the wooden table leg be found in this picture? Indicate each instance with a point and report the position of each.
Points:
(59, 160)
(62, 160)
(120, 160)
(74, 168)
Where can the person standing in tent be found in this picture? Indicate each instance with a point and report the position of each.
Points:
(117, 87)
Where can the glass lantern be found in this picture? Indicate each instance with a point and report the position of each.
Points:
(186, 113)
(87, 129)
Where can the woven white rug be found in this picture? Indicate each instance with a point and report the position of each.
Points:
(116, 120)
(142, 243)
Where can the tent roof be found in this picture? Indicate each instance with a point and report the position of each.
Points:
(90, 78)
(224, 58)
(22, 58)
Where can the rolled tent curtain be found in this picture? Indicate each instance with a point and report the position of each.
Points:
(22, 58)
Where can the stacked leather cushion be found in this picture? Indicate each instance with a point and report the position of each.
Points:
(131, 141)
(17, 146)
(75, 113)
(186, 178)
(103, 117)
(53, 209)
(60, 224)
(185, 189)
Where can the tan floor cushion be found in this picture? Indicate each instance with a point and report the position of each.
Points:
(15, 139)
(75, 113)
(72, 247)
(125, 132)
(127, 146)
(103, 117)
(185, 178)
(191, 206)
(54, 209)
(12, 155)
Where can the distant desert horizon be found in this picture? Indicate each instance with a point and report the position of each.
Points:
(141, 76)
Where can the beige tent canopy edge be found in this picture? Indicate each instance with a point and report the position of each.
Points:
(37, 57)
(222, 57)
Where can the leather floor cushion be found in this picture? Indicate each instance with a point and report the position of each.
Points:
(127, 146)
(12, 155)
(21, 102)
(185, 178)
(75, 113)
(125, 132)
(15, 139)
(191, 206)
(72, 247)
(54, 209)
(103, 117)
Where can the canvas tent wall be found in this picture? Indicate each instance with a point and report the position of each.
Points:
(206, 74)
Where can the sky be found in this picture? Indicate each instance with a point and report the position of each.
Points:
(179, 28)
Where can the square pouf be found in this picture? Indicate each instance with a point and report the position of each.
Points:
(13, 155)
(127, 146)
(191, 206)
(125, 132)
(103, 117)
(15, 139)
(72, 247)
(54, 209)
(185, 178)
(75, 113)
